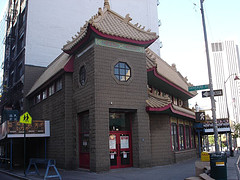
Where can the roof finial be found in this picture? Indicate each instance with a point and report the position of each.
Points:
(106, 4)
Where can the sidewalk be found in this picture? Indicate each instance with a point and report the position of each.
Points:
(178, 171)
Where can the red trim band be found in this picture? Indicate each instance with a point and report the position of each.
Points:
(171, 108)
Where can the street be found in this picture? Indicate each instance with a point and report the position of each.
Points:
(4, 176)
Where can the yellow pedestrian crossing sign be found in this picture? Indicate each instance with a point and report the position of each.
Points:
(26, 118)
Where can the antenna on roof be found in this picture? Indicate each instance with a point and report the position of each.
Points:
(106, 4)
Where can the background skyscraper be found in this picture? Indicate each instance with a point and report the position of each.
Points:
(225, 63)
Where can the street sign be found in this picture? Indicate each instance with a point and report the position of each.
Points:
(218, 92)
(201, 87)
(200, 116)
(10, 115)
(26, 118)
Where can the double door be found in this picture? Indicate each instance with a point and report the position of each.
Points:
(120, 149)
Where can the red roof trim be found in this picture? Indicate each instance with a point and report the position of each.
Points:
(181, 113)
(151, 109)
(158, 108)
(120, 38)
(154, 69)
(69, 66)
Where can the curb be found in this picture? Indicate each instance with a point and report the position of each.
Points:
(14, 175)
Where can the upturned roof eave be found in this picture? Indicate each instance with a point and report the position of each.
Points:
(171, 84)
(170, 107)
(93, 31)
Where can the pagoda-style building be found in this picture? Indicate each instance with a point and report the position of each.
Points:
(111, 101)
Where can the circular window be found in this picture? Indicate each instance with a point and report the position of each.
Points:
(122, 71)
(82, 75)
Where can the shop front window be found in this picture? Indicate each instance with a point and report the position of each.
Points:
(192, 138)
(174, 137)
(119, 122)
(187, 137)
(181, 137)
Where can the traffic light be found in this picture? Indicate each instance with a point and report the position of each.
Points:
(200, 116)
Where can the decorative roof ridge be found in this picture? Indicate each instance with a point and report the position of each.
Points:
(151, 57)
(102, 13)
(106, 4)
(154, 56)
(183, 109)
(159, 97)
(127, 20)
(83, 32)
(95, 22)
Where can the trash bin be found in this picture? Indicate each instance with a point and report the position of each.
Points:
(218, 164)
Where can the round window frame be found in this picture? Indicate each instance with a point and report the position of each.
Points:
(125, 68)
(124, 60)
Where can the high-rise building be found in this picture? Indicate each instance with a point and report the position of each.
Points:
(37, 30)
(226, 67)
(2, 38)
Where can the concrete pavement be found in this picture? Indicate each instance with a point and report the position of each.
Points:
(178, 171)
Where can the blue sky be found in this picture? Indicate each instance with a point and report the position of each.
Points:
(181, 33)
(2, 4)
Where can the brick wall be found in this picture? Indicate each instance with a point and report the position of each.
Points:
(57, 109)
(103, 92)
(84, 99)
(131, 95)
(186, 154)
(161, 140)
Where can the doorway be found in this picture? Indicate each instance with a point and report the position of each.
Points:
(84, 148)
(120, 144)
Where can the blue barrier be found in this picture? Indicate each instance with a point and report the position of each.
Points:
(49, 162)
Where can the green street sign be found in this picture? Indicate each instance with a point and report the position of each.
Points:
(201, 87)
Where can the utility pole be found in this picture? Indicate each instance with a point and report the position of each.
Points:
(210, 82)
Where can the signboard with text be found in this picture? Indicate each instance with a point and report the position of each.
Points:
(196, 88)
(15, 129)
(37, 127)
(215, 93)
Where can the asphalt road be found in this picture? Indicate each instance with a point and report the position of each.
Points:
(4, 176)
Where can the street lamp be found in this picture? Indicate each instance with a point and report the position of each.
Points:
(228, 116)
(235, 78)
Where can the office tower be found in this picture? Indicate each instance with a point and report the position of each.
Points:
(37, 30)
(225, 68)
(2, 38)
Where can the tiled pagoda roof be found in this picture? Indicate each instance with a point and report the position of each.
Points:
(108, 22)
(159, 103)
(168, 72)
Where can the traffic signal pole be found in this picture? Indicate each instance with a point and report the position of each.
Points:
(210, 82)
